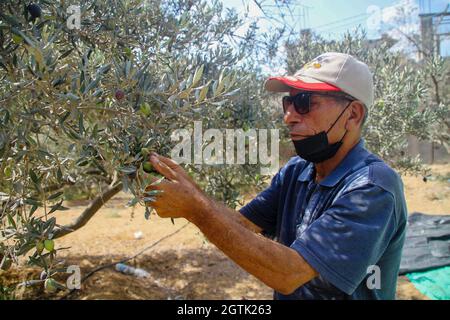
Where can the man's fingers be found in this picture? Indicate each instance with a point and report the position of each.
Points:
(151, 195)
(169, 162)
(162, 168)
(154, 179)
(151, 187)
(173, 165)
(152, 204)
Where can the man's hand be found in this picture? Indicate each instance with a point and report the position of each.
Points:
(278, 266)
(179, 196)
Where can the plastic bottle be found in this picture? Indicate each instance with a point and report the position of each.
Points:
(138, 235)
(126, 269)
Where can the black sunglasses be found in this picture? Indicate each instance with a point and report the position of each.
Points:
(302, 100)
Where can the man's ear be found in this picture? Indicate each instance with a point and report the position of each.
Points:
(357, 112)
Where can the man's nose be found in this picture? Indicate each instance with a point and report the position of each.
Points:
(291, 116)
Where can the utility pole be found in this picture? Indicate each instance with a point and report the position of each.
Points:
(303, 16)
(431, 42)
(427, 35)
(431, 37)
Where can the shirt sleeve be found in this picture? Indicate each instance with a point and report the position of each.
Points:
(262, 210)
(350, 236)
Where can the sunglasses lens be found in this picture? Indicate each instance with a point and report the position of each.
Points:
(301, 103)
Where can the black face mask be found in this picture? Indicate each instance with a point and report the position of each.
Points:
(316, 148)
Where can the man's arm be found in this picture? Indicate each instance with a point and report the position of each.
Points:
(240, 218)
(278, 266)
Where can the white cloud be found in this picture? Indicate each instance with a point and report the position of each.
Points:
(400, 19)
(402, 11)
(389, 14)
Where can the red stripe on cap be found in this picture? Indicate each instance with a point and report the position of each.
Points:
(299, 84)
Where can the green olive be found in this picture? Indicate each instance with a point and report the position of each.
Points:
(7, 171)
(145, 151)
(49, 245)
(145, 109)
(148, 167)
(16, 39)
(50, 285)
(40, 246)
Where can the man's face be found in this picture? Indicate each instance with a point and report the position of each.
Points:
(323, 113)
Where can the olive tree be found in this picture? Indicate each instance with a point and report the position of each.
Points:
(81, 108)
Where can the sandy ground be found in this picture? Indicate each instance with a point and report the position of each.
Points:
(185, 265)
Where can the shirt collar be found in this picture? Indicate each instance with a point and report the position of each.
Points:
(357, 154)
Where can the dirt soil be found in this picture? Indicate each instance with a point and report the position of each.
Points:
(185, 265)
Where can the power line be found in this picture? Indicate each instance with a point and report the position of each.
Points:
(361, 15)
(343, 24)
(341, 20)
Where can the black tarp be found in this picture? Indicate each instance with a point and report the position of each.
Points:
(427, 243)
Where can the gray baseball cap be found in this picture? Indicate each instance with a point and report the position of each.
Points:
(331, 71)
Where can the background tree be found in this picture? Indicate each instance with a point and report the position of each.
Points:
(420, 43)
(400, 93)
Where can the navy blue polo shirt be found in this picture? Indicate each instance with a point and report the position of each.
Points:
(350, 227)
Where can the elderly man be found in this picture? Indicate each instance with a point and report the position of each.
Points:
(338, 212)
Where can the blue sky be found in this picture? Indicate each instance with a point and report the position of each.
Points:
(331, 18)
